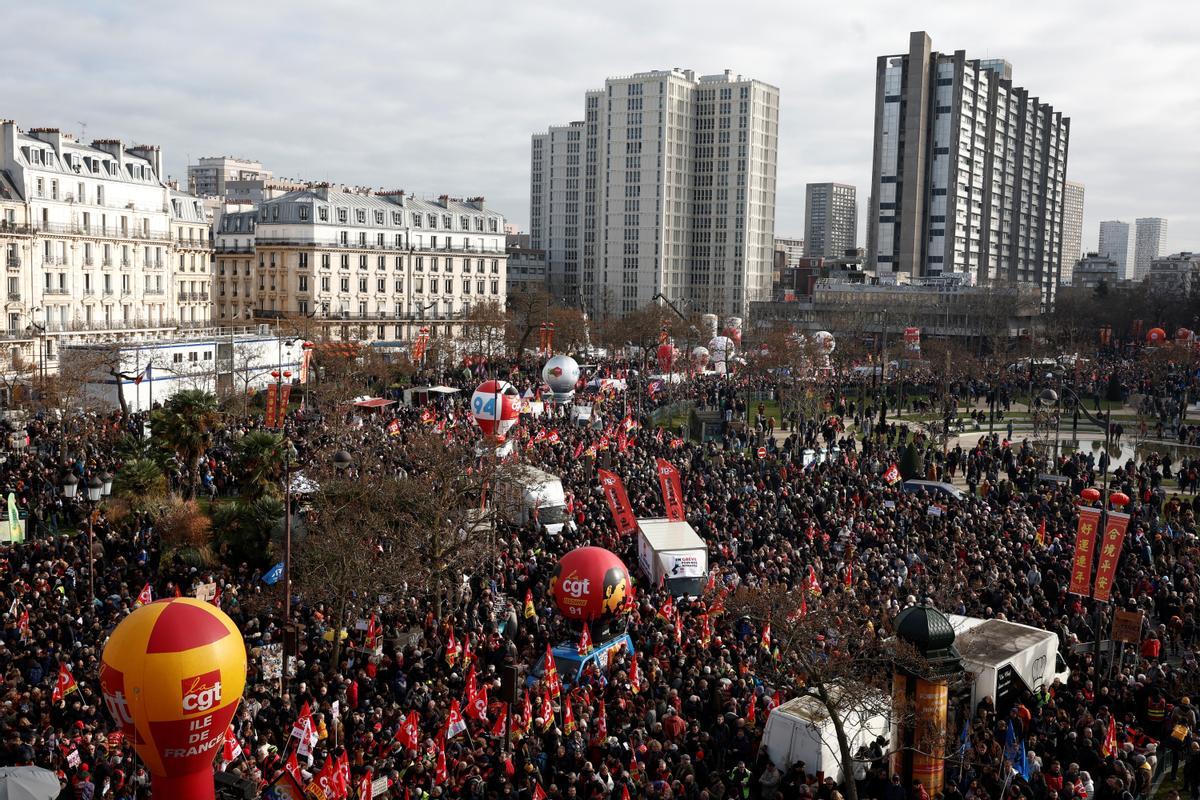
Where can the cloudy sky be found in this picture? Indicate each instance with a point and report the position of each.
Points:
(441, 97)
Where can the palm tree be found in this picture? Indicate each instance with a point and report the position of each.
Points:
(186, 424)
(260, 457)
(140, 483)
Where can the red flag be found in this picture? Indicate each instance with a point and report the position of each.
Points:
(550, 674)
(145, 596)
(365, 789)
(216, 598)
(501, 717)
(342, 775)
(635, 677)
(293, 767)
(585, 641)
(23, 623)
(477, 708)
(530, 609)
(667, 609)
(440, 773)
(452, 648)
(618, 501)
(601, 725)
(1085, 546)
(765, 639)
(672, 491)
(546, 712)
(578, 450)
(409, 733)
(471, 689)
(177, 593)
(751, 712)
(454, 721)
(812, 584)
(892, 476)
(325, 779)
(553, 438)
(568, 716)
(233, 748)
(849, 579)
(1041, 533)
(678, 629)
(64, 685)
(538, 792)
(705, 630)
(1109, 746)
(1110, 554)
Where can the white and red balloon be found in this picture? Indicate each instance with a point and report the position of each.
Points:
(497, 407)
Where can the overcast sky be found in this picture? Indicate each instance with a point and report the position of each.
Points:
(441, 97)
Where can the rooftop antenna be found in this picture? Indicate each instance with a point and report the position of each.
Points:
(82, 132)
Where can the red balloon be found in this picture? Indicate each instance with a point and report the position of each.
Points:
(1090, 494)
(589, 583)
(1119, 499)
(666, 356)
(1156, 335)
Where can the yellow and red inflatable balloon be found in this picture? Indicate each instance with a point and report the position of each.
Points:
(172, 674)
(589, 583)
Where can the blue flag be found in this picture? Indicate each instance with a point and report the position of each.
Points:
(273, 574)
(964, 741)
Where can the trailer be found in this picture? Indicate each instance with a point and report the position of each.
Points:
(1007, 659)
(672, 553)
(527, 494)
(801, 730)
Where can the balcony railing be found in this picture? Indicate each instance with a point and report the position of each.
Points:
(229, 248)
(423, 249)
(14, 262)
(76, 229)
(14, 295)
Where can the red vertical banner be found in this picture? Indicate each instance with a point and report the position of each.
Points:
(618, 501)
(1085, 547)
(272, 404)
(672, 491)
(305, 362)
(1110, 553)
(285, 395)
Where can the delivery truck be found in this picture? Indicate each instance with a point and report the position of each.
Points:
(1006, 659)
(801, 730)
(526, 494)
(672, 553)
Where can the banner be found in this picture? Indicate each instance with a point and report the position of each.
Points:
(305, 362)
(1110, 554)
(912, 339)
(1085, 546)
(285, 396)
(672, 491)
(618, 501)
(272, 405)
(682, 564)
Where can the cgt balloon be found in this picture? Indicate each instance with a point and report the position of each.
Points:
(589, 583)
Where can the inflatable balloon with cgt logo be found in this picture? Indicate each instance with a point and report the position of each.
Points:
(589, 583)
(172, 674)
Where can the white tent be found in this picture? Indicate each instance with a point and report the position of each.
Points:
(28, 783)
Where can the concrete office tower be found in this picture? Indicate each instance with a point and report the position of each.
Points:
(1116, 244)
(1151, 241)
(968, 171)
(209, 176)
(830, 220)
(667, 186)
(1072, 239)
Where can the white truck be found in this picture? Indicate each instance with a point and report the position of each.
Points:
(527, 494)
(674, 554)
(800, 730)
(1006, 658)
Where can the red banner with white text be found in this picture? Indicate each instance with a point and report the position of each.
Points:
(272, 405)
(618, 501)
(1110, 553)
(672, 490)
(1085, 547)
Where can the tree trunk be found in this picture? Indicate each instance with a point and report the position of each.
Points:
(337, 634)
(849, 787)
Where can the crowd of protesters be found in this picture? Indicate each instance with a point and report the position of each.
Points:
(684, 720)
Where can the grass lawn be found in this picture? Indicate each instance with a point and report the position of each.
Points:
(770, 409)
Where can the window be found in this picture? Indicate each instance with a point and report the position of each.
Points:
(324, 260)
(360, 215)
(448, 286)
(419, 285)
(466, 285)
(362, 285)
(303, 213)
(379, 218)
(381, 285)
(345, 284)
(303, 287)
(399, 285)
(325, 283)
(495, 287)
(323, 214)
(343, 215)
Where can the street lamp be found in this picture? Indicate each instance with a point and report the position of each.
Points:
(341, 461)
(95, 488)
(69, 484)
(106, 479)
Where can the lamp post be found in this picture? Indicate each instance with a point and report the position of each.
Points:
(1048, 398)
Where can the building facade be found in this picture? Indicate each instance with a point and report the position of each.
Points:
(1150, 242)
(210, 175)
(1177, 275)
(830, 220)
(667, 186)
(1116, 244)
(1094, 269)
(93, 248)
(1072, 241)
(526, 271)
(359, 265)
(792, 249)
(968, 171)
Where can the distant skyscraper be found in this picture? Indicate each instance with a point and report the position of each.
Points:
(1117, 245)
(793, 250)
(667, 186)
(1151, 241)
(1072, 238)
(968, 171)
(830, 220)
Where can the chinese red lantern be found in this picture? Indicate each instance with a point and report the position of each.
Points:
(589, 583)
(1119, 499)
(1090, 494)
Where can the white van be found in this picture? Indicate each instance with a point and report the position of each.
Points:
(525, 494)
(801, 730)
(1006, 658)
